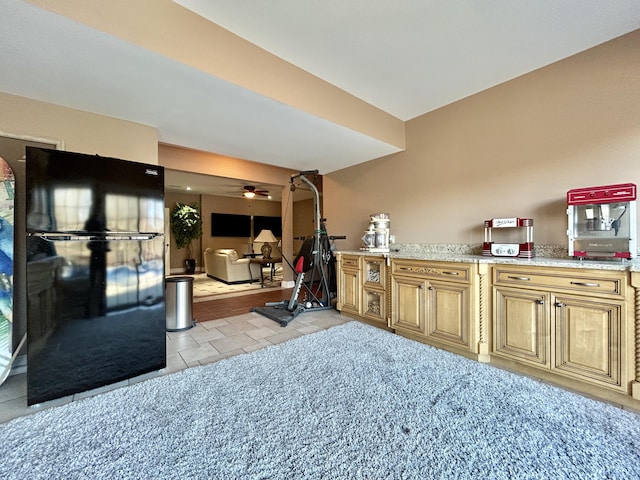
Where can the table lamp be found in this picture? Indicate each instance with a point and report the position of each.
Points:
(267, 237)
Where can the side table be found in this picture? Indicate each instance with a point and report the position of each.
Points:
(263, 262)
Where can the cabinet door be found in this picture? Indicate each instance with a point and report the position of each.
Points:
(374, 306)
(588, 338)
(521, 325)
(349, 291)
(448, 312)
(409, 305)
(374, 272)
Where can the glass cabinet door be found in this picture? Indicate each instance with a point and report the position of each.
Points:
(374, 306)
(374, 272)
(374, 289)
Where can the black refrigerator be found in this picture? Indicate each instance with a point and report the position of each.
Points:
(95, 272)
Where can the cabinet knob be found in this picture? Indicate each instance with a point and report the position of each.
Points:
(430, 287)
(559, 304)
(540, 301)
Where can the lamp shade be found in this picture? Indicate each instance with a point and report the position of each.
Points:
(266, 236)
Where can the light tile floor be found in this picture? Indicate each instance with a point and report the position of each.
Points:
(205, 343)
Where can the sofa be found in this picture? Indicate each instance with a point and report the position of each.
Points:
(223, 264)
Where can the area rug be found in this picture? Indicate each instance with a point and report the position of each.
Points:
(350, 402)
(206, 288)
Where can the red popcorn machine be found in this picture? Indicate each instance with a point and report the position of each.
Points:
(602, 221)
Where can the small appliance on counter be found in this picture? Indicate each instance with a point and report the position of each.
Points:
(516, 237)
(376, 237)
(602, 221)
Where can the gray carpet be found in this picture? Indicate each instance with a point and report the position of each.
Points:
(351, 402)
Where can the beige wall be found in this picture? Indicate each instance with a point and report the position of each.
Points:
(513, 150)
(79, 131)
(189, 160)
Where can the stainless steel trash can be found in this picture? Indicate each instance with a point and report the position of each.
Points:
(179, 303)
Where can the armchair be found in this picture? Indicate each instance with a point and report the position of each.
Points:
(223, 264)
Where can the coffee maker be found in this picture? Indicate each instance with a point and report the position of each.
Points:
(376, 237)
(602, 221)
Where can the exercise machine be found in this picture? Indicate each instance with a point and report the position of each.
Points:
(315, 286)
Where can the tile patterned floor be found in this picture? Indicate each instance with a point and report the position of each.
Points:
(224, 328)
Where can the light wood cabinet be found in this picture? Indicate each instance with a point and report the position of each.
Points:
(635, 315)
(374, 286)
(437, 303)
(362, 288)
(576, 327)
(589, 339)
(568, 321)
(349, 285)
(521, 325)
(409, 304)
(448, 314)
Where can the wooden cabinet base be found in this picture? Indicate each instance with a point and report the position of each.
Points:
(462, 351)
(369, 321)
(620, 399)
(635, 390)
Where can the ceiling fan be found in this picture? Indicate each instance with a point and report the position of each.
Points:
(251, 191)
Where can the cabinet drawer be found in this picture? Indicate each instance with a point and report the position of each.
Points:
(579, 282)
(349, 261)
(416, 268)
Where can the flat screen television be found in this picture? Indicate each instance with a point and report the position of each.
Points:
(270, 223)
(230, 225)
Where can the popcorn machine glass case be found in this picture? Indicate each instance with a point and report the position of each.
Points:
(602, 221)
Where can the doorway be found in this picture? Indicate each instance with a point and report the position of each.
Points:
(12, 150)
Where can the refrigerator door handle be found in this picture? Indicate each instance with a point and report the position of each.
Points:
(94, 236)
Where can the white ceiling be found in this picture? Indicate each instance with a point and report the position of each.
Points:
(409, 57)
(406, 57)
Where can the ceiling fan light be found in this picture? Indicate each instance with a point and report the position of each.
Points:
(249, 194)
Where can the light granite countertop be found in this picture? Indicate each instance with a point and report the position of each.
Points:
(632, 265)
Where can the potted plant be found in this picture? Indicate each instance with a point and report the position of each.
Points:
(186, 225)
